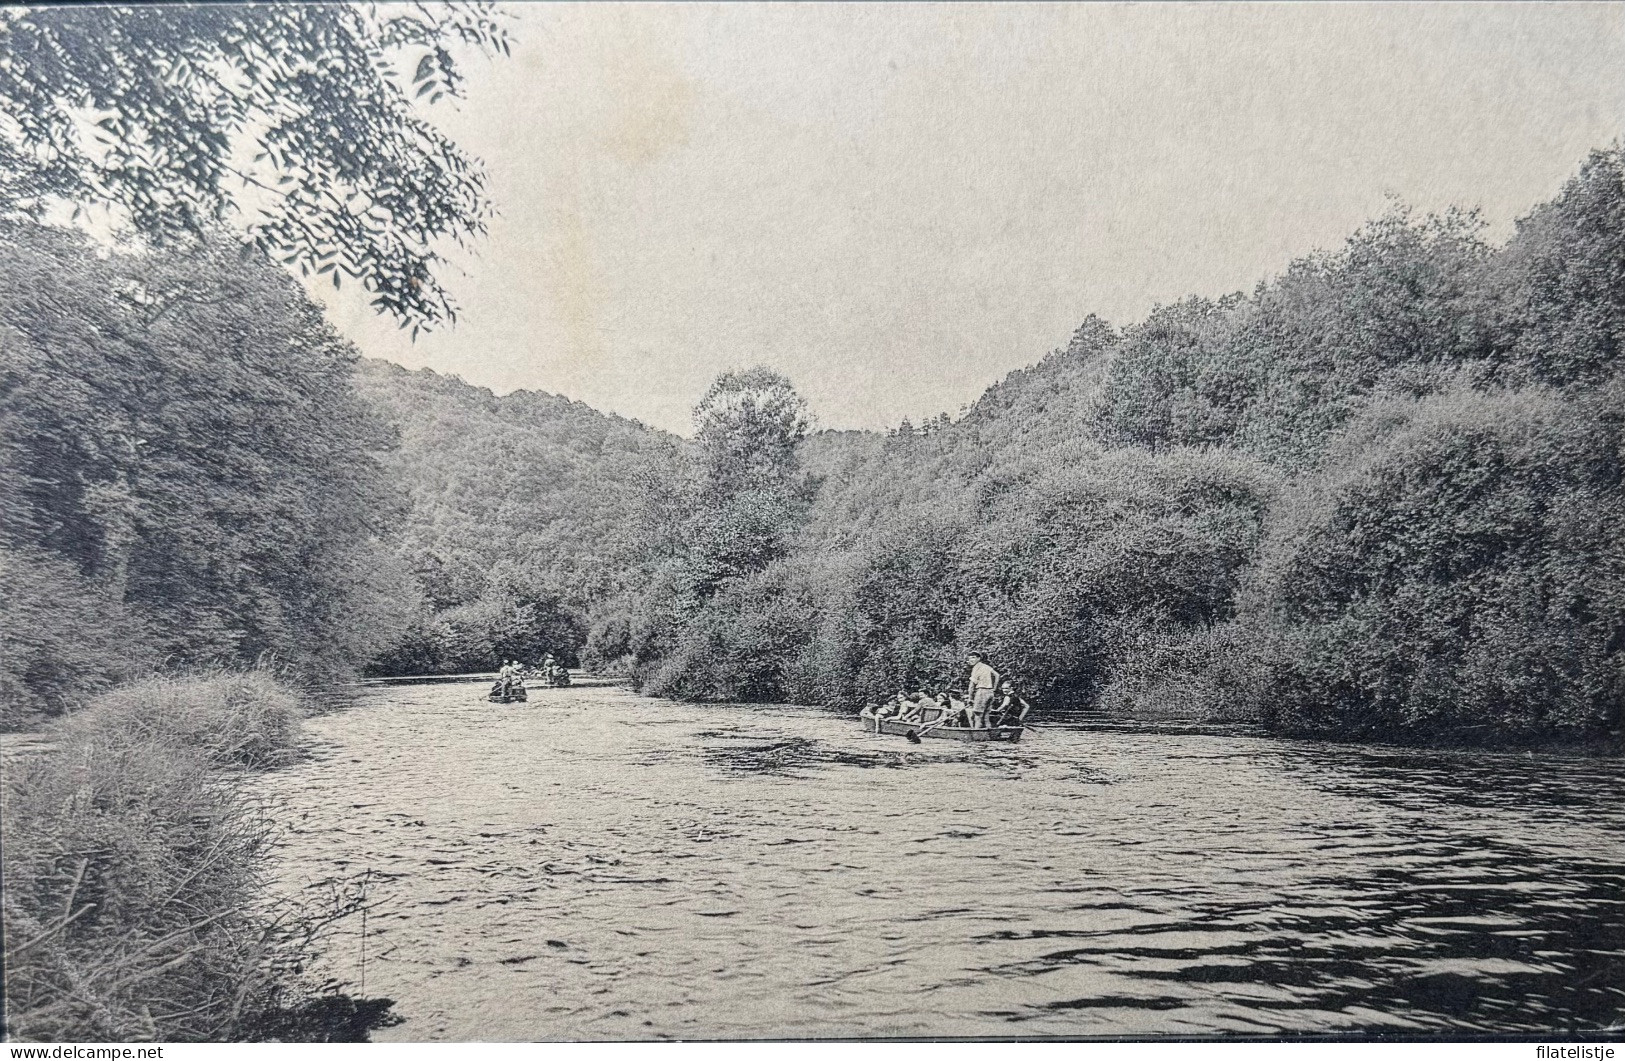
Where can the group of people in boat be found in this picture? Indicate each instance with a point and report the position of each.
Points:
(990, 700)
(510, 683)
(551, 671)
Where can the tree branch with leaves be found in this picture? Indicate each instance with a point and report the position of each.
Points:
(297, 123)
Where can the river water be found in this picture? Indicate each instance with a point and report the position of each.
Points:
(594, 865)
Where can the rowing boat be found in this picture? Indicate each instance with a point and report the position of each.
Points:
(921, 729)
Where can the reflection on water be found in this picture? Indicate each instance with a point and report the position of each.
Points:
(595, 865)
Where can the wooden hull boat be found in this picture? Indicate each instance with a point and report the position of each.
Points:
(903, 729)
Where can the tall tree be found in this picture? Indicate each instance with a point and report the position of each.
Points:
(749, 491)
(294, 120)
(180, 432)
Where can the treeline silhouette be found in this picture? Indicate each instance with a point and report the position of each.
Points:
(526, 510)
(1380, 496)
(189, 475)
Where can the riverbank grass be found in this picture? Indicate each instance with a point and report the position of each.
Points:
(135, 898)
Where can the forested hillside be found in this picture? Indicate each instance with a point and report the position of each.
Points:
(1380, 496)
(188, 475)
(524, 510)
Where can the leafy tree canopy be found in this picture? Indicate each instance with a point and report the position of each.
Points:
(295, 121)
(1378, 496)
(747, 428)
(185, 461)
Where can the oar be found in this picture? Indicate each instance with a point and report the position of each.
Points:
(915, 735)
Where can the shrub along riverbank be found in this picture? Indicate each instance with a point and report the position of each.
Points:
(135, 893)
(1379, 497)
(189, 476)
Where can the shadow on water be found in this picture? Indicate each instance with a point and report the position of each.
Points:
(1523, 943)
(1420, 781)
(740, 753)
(325, 700)
(791, 756)
(334, 1017)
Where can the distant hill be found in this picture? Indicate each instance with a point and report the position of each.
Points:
(1041, 416)
(529, 498)
(529, 477)
(1378, 496)
(559, 489)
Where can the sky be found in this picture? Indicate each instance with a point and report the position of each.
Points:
(896, 205)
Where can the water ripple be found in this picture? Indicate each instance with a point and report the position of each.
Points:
(606, 867)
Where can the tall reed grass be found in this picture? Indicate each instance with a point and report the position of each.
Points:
(135, 900)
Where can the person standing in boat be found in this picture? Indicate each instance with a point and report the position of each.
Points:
(983, 681)
(504, 684)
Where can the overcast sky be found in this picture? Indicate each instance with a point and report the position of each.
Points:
(896, 205)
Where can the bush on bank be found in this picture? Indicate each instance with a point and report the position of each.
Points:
(135, 897)
(1377, 497)
(1459, 575)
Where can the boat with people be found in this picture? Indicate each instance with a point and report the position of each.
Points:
(511, 678)
(507, 693)
(917, 730)
(992, 709)
(510, 685)
(551, 673)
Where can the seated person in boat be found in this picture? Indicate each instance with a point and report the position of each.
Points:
(885, 709)
(916, 707)
(896, 707)
(904, 707)
(912, 707)
(1013, 707)
(953, 710)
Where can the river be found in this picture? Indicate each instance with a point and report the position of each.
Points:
(595, 865)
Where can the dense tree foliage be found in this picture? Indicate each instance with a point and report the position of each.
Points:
(296, 120)
(189, 473)
(526, 509)
(1461, 569)
(1279, 374)
(724, 515)
(1379, 496)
